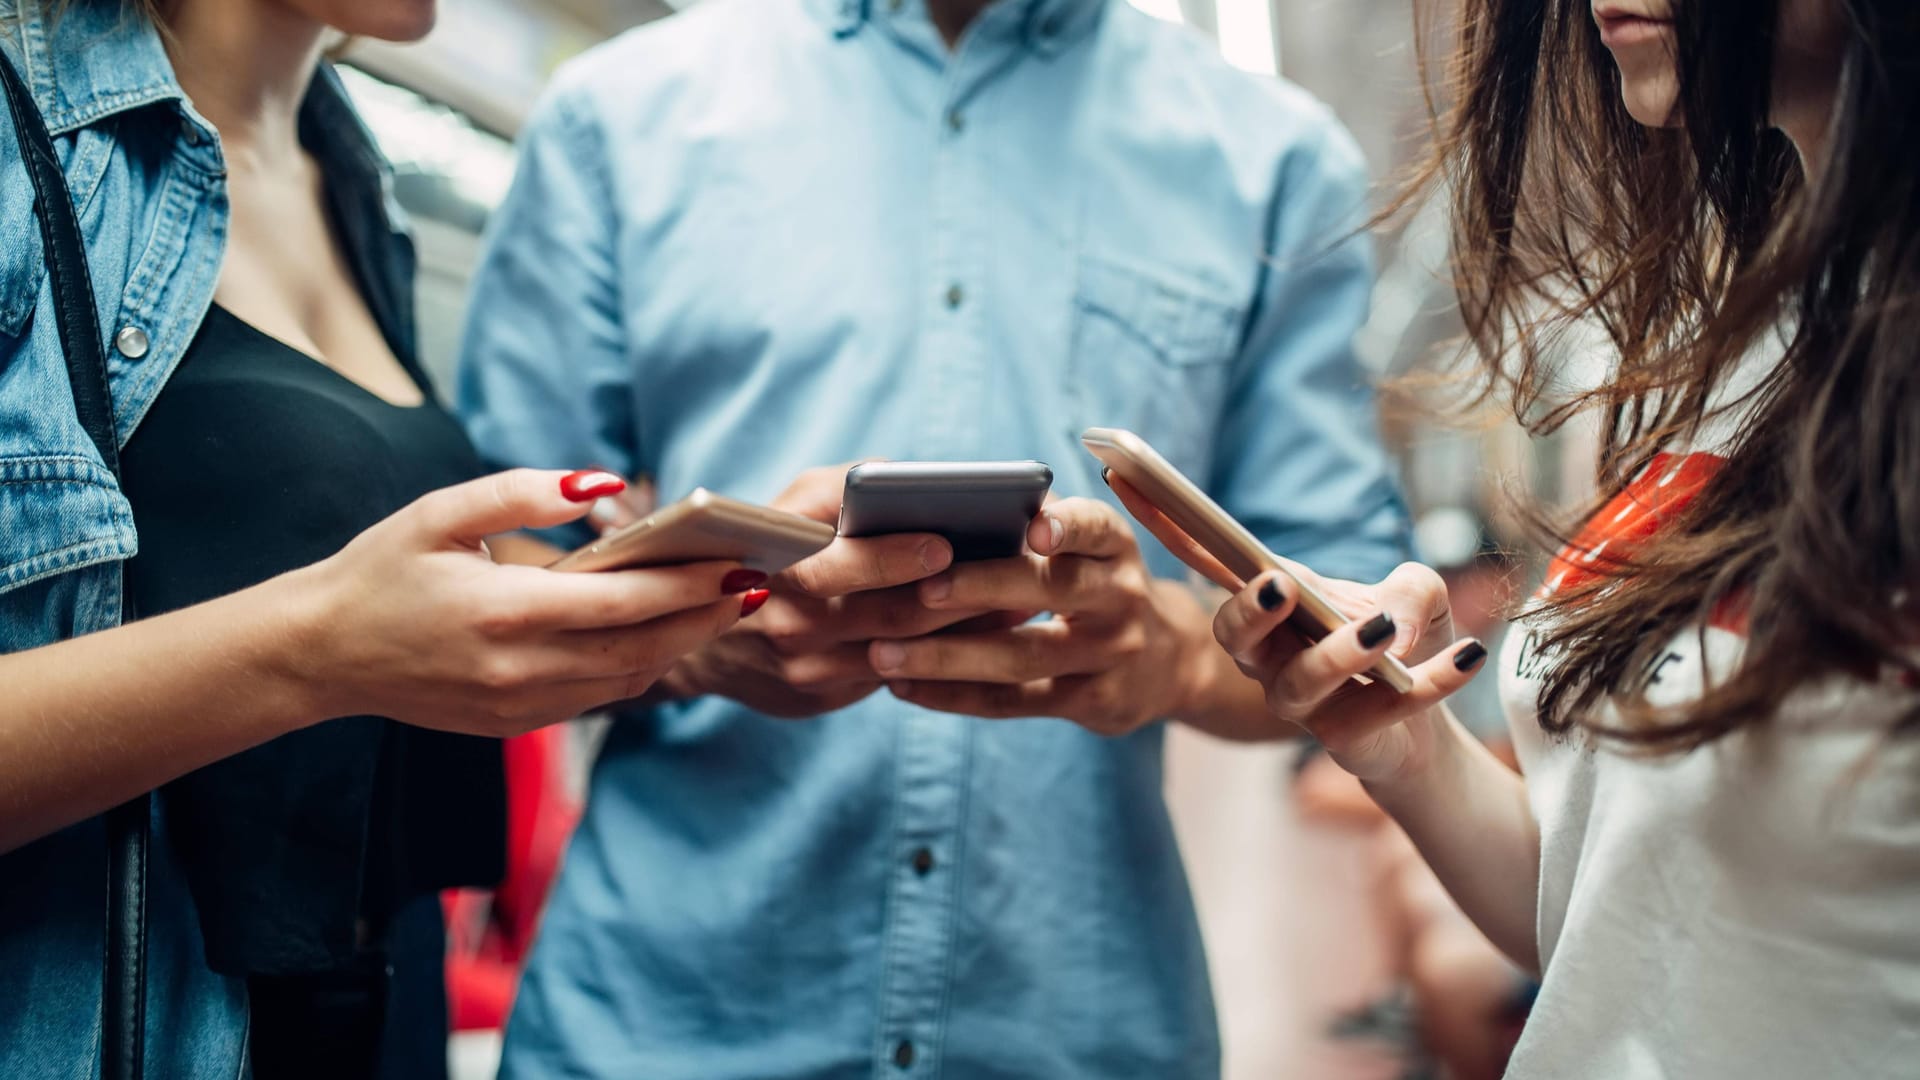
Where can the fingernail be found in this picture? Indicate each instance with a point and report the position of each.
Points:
(1469, 657)
(935, 555)
(586, 485)
(934, 590)
(742, 580)
(1377, 629)
(1106, 475)
(1270, 596)
(1056, 533)
(754, 600)
(887, 656)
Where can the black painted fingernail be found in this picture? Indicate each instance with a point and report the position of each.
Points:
(1378, 629)
(1106, 476)
(1469, 657)
(1270, 596)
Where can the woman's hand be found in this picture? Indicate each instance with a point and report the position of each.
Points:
(414, 621)
(1370, 730)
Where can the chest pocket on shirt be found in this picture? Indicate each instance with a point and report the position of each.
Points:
(57, 514)
(1152, 352)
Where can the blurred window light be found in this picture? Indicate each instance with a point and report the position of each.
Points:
(1246, 35)
(444, 165)
(1161, 9)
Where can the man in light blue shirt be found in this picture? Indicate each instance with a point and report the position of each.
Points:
(772, 234)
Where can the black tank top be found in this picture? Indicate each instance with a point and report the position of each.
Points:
(256, 459)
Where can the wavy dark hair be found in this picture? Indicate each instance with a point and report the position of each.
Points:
(1686, 244)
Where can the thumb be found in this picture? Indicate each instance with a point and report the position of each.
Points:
(816, 492)
(465, 514)
(1417, 598)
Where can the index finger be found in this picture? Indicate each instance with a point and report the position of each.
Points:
(862, 564)
(1173, 536)
(618, 597)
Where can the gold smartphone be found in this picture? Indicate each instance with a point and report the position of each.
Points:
(702, 527)
(1184, 504)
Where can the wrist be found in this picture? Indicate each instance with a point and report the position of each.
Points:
(1199, 666)
(1428, 773)
(299, 649)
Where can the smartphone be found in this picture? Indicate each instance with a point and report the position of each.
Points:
(1184, 504)
(982, 508)
(702, 527)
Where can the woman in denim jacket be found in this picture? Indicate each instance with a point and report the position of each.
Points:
(252, 289)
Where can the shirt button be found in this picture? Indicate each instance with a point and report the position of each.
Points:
(955, 121)
(903, 1054)
(923, 862)
(955, 297)
(131, 341)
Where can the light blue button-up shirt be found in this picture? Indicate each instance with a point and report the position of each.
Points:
(762, 236)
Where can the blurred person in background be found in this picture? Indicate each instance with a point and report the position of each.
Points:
(768, 234)
(1712, 858)
(211, 417)
(1454, 1002)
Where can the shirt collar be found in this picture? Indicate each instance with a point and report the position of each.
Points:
(91, 61)
(1047, 26)
(94, 61)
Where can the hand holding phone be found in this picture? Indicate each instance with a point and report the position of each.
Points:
(805, 653)
(1207, 538)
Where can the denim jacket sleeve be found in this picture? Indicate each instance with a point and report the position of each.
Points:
(60, 510)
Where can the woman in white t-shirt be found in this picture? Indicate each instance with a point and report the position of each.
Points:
(1713, 855)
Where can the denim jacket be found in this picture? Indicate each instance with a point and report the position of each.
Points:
(148, 181)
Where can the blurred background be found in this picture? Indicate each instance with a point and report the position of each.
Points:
(1334, 955)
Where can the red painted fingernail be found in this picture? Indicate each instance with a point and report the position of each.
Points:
(754, 600)
(590, 484)
(741, 580)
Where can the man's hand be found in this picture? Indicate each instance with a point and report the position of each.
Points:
(1120, 649)
(805, 652)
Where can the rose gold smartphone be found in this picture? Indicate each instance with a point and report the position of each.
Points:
(1184, 504)
(702, 527)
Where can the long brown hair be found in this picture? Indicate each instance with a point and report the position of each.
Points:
(1687, 245)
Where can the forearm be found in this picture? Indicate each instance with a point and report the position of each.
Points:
(1469, 816)
(97, 720)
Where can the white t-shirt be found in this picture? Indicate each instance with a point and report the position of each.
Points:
(1749, 910)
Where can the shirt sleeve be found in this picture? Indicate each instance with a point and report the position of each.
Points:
(1298, 457)
(544, 379)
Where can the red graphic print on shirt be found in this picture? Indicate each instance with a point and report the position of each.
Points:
(1662, 490)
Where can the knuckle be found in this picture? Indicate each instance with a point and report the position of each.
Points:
(898, 619)
(787, 637)
(1031, 659)
(1284, 693)
(501, 718)
(805, 576)
(800, 673)
(500, 674)
(496, 619)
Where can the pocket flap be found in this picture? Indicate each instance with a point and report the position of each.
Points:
(59, 513)
(1181, 319)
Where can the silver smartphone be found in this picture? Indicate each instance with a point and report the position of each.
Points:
(1215, 530)
(701, 527)
(982, 508)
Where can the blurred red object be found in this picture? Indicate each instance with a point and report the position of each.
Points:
(490, 932)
